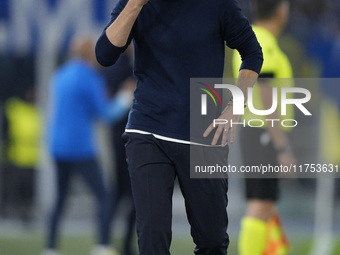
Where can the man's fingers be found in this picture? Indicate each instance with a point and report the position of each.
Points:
(208, 130)
(217, 134)
(220, 129)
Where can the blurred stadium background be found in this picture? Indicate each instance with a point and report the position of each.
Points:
(34, 36)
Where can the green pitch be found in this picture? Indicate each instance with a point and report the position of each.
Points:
(32, 245)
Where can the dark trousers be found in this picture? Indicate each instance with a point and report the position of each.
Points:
(120, 191)
(92, 175)
(18, 191)
(154, 164)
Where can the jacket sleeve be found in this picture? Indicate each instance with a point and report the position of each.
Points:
(109, 110)
(106, 53)
(239, 35)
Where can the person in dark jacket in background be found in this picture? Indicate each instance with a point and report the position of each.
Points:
(120, 76)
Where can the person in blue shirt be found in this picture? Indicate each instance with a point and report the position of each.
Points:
(78, 99)
(175, 40)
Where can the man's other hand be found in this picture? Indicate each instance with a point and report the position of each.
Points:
(223, 129)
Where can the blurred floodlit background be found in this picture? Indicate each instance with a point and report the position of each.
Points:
(34, 37)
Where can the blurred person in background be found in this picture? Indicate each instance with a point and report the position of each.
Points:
(22, 134)
(119, 76)
(261, 231)
(78, 99)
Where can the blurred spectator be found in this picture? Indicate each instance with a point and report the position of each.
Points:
(319, 30)
(315, 25)
(119, 76)
(78, 98)
(22, 135)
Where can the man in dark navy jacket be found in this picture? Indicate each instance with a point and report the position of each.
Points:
(176, 40)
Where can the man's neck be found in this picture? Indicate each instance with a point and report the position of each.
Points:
(271, 25)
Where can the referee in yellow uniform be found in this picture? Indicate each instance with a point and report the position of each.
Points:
(265, 145)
